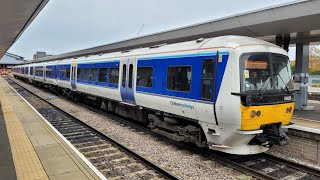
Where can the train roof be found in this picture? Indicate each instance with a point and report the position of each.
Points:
(225, 42)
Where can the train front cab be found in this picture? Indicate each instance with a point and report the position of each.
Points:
(266, 97)
(265, 91)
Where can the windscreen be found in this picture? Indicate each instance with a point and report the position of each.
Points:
(265, 72)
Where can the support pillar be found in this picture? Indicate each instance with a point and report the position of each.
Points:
(301, 76)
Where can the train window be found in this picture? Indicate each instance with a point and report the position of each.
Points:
(86, 74)
(130, 75)
(27, 71)
(67, 72)
(93, 74)
(79, 73)
(103, 74)
(48, 72)
(114, 76)
(39, 71)
(31, 70)
(207, 79)
(54, 72)
(144, 76)
(179, 78)
(124, 75)
(64, 72)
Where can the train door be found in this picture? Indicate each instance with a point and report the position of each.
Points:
(33, 72)
(127, 80)
(209, 90)
(44, 73)
(73, 76)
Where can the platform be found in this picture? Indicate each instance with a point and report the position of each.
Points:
(308, 120)
(30, 148)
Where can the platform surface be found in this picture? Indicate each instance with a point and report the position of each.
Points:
(308, 120)
(30, 149)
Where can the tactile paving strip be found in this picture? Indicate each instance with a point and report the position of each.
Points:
(26, 161)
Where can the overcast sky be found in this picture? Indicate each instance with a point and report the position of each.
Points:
(69, 25)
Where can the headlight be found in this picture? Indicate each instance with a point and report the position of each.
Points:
(258, 114)
(252, 113)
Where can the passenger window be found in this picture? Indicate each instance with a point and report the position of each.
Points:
(31, 70)
(79, 73)
(144, 76)
(48, 72)
(41, 71)
(114, 76)
(64, 72)
(86, 74)
(179, 78)
(207, 79)
(93, 74)
(68, 73)
(54, 73)
(130, 75)
(103, 74)
(124, 75)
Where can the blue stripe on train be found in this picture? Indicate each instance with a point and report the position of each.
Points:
(160, 67)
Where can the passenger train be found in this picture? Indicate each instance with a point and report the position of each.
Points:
(231, 93)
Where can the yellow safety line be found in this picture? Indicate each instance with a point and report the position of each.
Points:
(26, 161)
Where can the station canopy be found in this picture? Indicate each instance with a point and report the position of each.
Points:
(298, 18)
(15, 17)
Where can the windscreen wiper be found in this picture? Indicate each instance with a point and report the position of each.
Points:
(264, 88)
(277, 74)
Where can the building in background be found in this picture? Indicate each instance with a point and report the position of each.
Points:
(40, 55)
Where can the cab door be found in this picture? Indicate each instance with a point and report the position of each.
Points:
(128, 66)
(73, 76)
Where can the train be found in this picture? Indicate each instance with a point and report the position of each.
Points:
(232, 94)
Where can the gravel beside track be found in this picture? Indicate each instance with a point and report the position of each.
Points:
(180, 162)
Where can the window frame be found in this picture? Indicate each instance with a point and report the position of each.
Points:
(90, 74)
(190, 79)
(83, 77)
(152, 76)
(130, 80)
(212, 80)
(124, 74)
(51, 72)
(106, 75)
(109, 72)
(80, 71)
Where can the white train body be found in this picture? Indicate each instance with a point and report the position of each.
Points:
(223, 116)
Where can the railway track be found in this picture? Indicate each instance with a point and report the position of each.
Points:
(266, 166)
(314, 96)
(110, 157)
(262, 166)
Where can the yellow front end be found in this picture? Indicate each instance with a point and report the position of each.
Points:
(253, 117)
